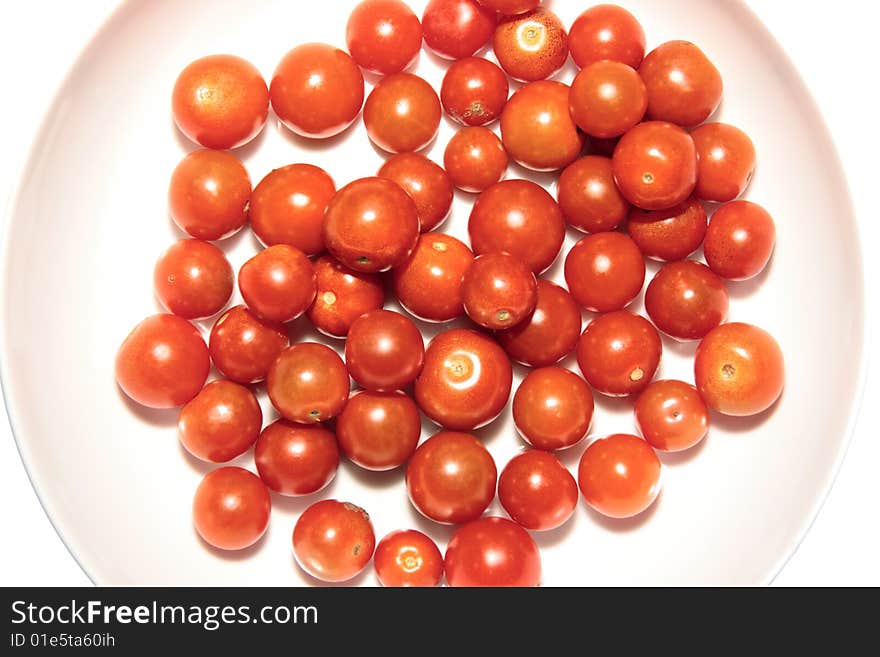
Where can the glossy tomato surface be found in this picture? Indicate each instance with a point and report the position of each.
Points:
(509, 7)
(308, 383)
(474, 91)
(243, 346)
(457, 28)
(671, 415)
(492, 551)
(498, 291)
(333, 541)
(740, 240)
(553, 408)
(670, 234)
(607, 99)
(408, 558)
(727, 162)
(537, 491)
(384, 351)
(531, 46)
(221, 422)
(475, 159)
(295, 459)
(686, 300)
(427, 184)
(278, 283)
(383, 36)
(379, 430)
(607, 32)
(588, 196)
(231, 508)
(619, 476)
(605, 271)
(193, 279)
(343, 295)
(402, 113)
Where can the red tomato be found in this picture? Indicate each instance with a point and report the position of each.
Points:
(671, 234)
(308, 383)
(408, 558)
(333, 541)
(163, 362)
(294, 459)
(343, 295)
(686, 300)
(231, 508)
(588, 196)
(451, 478)
(243, 346)
(605, 271)
(607, 99)
(383, 36)
(553, 408)
(740, 240)
(672, 416)
(739, 369)
(607, 32)
(220, 101)
(384, 351)
(475, 159)
(221, 422)
(278, 283)
(209, 193)
(193, 279)
(537, 491)
(474, 91)
(402, 113)
(498, 291)
(531, 46)
(510, 7)
(427, 184)
(727, 162)
(492, 551)
(619, 475)
(379, 430)
(457, 28)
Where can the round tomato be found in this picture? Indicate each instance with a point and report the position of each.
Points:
(474, 91)
(383, 36)
(493, 552)
(379, 430)
(457, 28)
(278, 283)
(510, 7)
(607, 32)
(308, 383)
(588, 196)
(231, 508)
(408, 558)
(553, 408)
(727, 162)
(498, 291)
(686, 300)
(343, 295)
(243, 346)
(294, 459)
(537, 491)
(193, 279)
(475, 159)
(333, 541)
(619, 476)
(605, 271)
(427, 184)
(671, 415)
(384, 351)
(607, 99)
(221, 422)
(531, 46)
(671, 234)
(402, 113)
(739, 240)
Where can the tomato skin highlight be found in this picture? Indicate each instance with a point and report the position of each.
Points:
(333, 541)
(474, 91)
(605, 272)
(686, 300)
(537, 491)
(671, 234)
(221, 422)
(402, 114)
(607, 32)
(671, 415)
(457, 28)
(739, 240)
(379, 430)
(427, 184)
(383, 36)
(553, 408)
(278, 283)
(384, 351)
(492, 551)
(408, 558)
(231, 508)
(308, 383)
(531, 46)
(343, 295)
(243, 346)
(193, 279)
(619, 476)
(295, 459)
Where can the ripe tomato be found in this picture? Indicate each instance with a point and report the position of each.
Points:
(549, 334)
(333, 541)
(607, 32)
(343, 295)
(537, 128)
(520, 218)
(428, 284)
(588, 196)
(671, 234)
(531, 46)
(208, 195)
(308, 383)
(231, 508)
(475, 159)
(427, 184)
(243, 346)
(220, 101)
(466, 380)
(193, 279)
(383, 36)
(492, 551)
(408, 558)
(371, 225)
(607, 99)
(672, 416)
(684, 87)
(655, 165)
(510, 7)
(384, 351)
(474, 91)
(537, 491)
(619, 353)
(498, 291)
(221, 422)
(402, 113)
(553, 408)
(294, 459)
(605, 271)
(379, 430)
(727, 162)
(278, 283)
(457, 28)
(287, 207)
(163, 362)
(686, 300)
(619, 475)
(739, 240)
(451, 478)
(739, 369)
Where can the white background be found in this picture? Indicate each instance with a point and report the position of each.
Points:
(832, 47)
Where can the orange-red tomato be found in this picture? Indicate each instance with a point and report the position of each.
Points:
(308, 383)
(295, 459)
(727, 162)
(427, 184)
(537, 491)
(605, 271)
(402, 113)
(492, 551)
(607, 32)
(531, 46)
(379, 430)
(498, 291)
(740, 240)
(607, 99)
(588, 196)
(193, 279)
(686, 300)
(670, 234)
(384, 351)
(343, 295)
(243, 346)
(510, 7)
(474, 91)
(457, 28)
(231, 508)
(475, 159)
(553, 408)
(408, 558)
(333, 541)
(221, 422)
(383, 36)
(671, 415)
(278, 283)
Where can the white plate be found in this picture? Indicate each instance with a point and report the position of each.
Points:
(90, 218)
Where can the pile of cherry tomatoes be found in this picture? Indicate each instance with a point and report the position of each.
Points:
(653, 169)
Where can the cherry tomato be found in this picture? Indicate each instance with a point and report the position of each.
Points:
(553, 408)
(243, 346)
(343, 295)
(607, 99)
(220, 101)
(294, 459)
(221, 422)
(531, 46)
(537, 491)
(605, 271)
(618, 353)
(193, 279)
(402, 113)
(520, 218)
(474, 91)
(684, 87)
(493, 552)
(333, 541)
(379, 430)
(619, 475)
(384, 351)
(451, 478)
(655, 165)
(287, 207)
(457, 28)
(670, 234)
(739, 240)
(739, 369)
(537, 128)
(686, 300)
(672, 416)
(278, 283)
(383, 36)
(510, 7)
(163, 363)
(231, 508)
(427, 184)
(408, 558)
(607, 32)
(549, 334)
(371, 225)
(308, 383)
(466, 380)
(498, 291)
(209, 193)
(727, 162)
(588, 196)
(428, 284)
(317, 90)
(475, 159)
